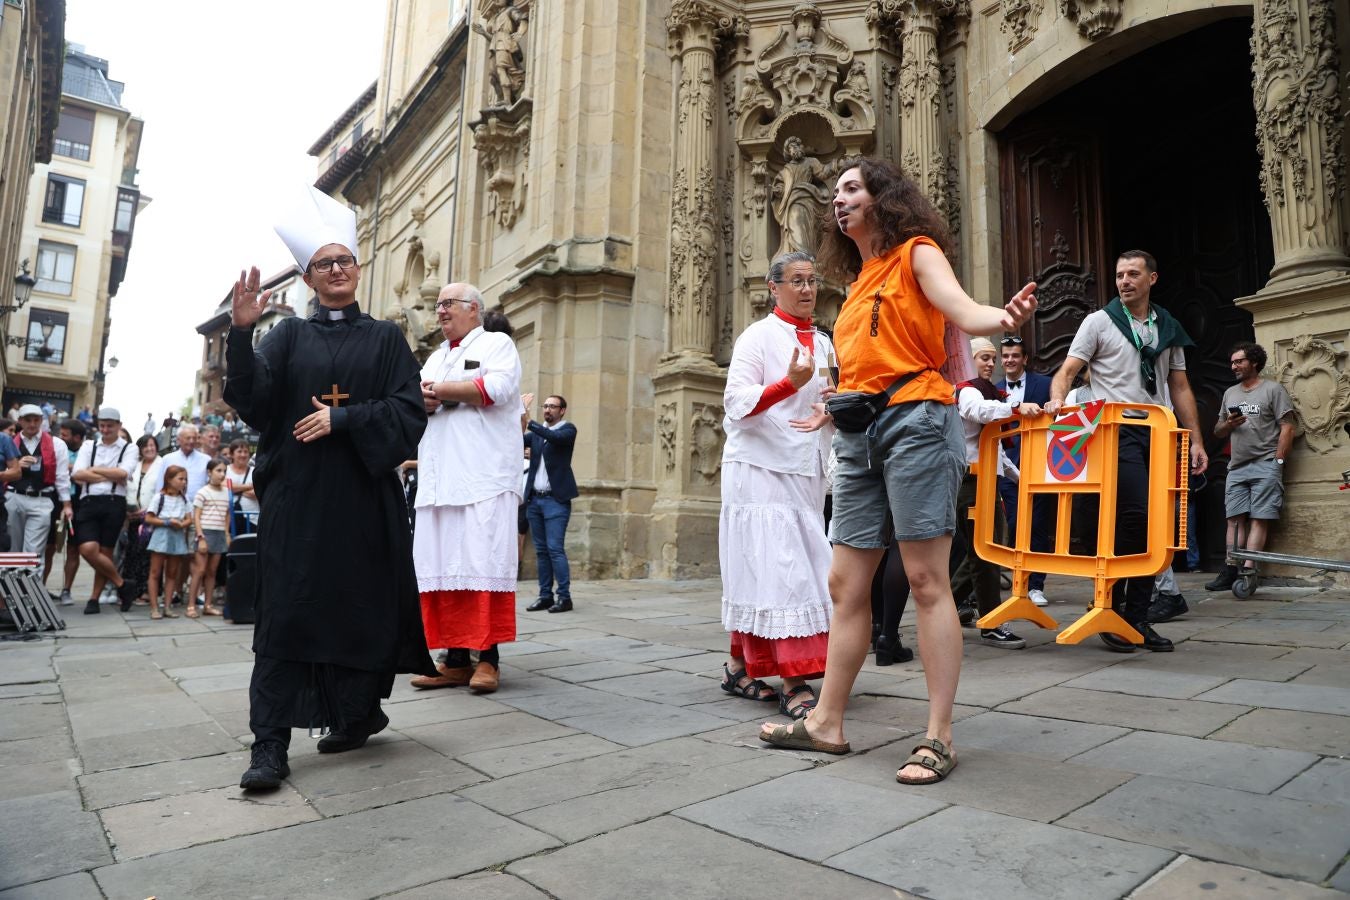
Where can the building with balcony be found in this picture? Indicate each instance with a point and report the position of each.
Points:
(82, 208)
(32, 38)
(288, 292)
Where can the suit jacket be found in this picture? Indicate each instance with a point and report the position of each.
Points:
(1036, 390)
(562, 484)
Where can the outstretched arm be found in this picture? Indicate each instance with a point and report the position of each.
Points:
(940, 286)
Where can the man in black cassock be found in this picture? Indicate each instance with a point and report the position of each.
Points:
(337, 400)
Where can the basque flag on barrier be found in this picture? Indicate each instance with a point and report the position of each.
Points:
(1071, 435)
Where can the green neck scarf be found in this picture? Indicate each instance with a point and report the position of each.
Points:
(1170, 334)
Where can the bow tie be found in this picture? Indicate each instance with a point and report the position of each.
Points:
(1015, 384)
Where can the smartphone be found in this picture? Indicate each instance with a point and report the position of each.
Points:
(1235, 410)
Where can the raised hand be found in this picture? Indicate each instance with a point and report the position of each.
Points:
(801, 369)
(248, 303)
(1020, 308)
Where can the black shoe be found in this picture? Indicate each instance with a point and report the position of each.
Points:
(266, 768)
(1224, 580)
(1152, 641)
(541, 603)
(966, 613)
(1001, 637)
(891, 651)
(1167, 607)
(340, 742)
(561, 606)
(91, 608)
(126, 594)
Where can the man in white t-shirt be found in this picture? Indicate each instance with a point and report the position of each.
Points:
(102, 468)
(1145, 367)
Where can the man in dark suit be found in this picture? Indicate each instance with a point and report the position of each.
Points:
(549, 490)
(1026, 387)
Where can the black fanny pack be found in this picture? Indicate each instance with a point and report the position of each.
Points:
(855, 411)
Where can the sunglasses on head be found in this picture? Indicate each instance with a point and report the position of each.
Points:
(1011, 342)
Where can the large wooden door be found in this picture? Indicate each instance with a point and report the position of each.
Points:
(1053, 231)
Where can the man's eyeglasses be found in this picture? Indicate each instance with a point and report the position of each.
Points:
(1011, 342)
(800, 284)
(552, 406)
(444, 305)
(326, 265)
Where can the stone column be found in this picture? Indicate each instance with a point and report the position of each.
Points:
(1299, 128)
(694, 230)
(922, 144)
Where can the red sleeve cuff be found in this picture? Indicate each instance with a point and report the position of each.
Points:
(482, 391)
(774, 393)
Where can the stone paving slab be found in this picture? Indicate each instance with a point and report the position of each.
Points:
(471, 735)
(1301, 697)
(20, 719)
(46, 835)
(167, 779)
(174, 657)
(934, 858)
(79, 886)
(594, 671)
(638, 722)
(809, 814)
(479, 886)
(337, 855)
(382, 773)
(1257, 769)
(1341, 880)
(36, 750)
(553, 659)
(33, 778)
(1223, 824)
(1224, 660)
(503, 761)
(442, 705)
(103, 666)
(1029, 787)
(673, 688)
(1326, 782)
(35, 689)
(1056, 739)
(1287, 632)
(1147, 682)
(702, 863)
(143, 747)
(154, 826)
(1191, 878)
(131, 714)
(1311, 732)
(1189, 717)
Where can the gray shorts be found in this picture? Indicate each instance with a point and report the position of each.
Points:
(216, 542)
(1255, 489)
(911, 469)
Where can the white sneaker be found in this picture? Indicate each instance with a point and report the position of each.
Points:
(1038, 597)
(66, 599)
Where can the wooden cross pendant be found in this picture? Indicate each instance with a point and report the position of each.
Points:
(335, 397)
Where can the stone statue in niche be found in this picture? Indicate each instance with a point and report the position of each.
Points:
(504, 29)
(799, 196)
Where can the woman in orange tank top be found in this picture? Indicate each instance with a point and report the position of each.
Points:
(886, 235)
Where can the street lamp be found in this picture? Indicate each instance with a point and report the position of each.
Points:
(23, 289)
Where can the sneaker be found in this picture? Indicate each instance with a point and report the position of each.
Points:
(66, 599)
(1001, 637)
(1037, 596)
(1224, 580)
(1167, 607)
(91, 608)
(966, 613)
(109, 594)
(266, 768)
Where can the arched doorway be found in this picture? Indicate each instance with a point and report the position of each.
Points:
(1159, 153)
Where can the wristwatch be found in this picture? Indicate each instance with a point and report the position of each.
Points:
(1278, 461)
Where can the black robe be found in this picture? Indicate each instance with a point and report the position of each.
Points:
(336, 585)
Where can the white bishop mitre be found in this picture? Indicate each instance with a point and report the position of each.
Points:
(316, 220)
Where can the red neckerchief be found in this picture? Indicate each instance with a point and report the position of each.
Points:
(805, 332)
(455, 343)
(985, 387)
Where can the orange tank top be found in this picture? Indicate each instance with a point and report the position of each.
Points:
(888, 328)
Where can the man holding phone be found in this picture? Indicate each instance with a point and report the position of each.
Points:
(1260, 428)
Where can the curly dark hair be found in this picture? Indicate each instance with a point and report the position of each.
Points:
(899, 211)
(1255, 353)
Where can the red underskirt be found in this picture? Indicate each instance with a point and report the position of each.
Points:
(475, 620)
(794, 657)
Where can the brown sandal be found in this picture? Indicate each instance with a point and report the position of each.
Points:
(941, 765)
(210, 611)
(796, 737)
(155, 613)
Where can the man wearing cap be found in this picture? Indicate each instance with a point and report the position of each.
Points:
(45, 480)
(337, 400)
(102, 468)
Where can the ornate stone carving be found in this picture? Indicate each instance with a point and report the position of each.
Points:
(504, 23)
(803, 61)
(753, 95)
(666, 430)
(1315, 376)
(890, 77)
(1095, 18)
(1019, 21)
(799, 198)
(504, 152)
(705, 442)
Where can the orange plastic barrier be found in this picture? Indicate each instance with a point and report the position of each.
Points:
(1084, 462)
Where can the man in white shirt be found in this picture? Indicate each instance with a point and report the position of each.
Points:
(45, 480)
(149, 427)
(190, 458)
(103, 467)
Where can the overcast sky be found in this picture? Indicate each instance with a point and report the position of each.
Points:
(232, 96)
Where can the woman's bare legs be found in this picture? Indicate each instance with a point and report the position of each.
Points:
(940, 643)
(156, 568)
(209, 583)
(851, 572)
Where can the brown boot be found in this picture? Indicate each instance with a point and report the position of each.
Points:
(448, 678)
(485, 679)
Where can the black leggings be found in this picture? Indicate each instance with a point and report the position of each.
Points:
(458, 658)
